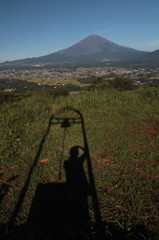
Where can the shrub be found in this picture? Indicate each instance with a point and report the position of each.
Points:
(118, 82)
(54, 92)
(121, 83)
(5, 96)
(99, 84)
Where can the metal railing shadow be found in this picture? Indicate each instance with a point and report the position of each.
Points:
(64, 122)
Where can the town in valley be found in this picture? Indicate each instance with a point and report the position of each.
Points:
(76, 76)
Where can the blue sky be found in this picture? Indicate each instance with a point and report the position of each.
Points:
(31, 28)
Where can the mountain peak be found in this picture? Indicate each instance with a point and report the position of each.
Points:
(89, 45)
(95, 37)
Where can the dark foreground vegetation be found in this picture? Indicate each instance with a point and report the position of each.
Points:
(84, 166)
(22, 86)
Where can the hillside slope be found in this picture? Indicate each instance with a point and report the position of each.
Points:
(122, 132)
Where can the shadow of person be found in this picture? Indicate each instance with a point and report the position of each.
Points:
(60, 210)
(74, 170)
(78, 190)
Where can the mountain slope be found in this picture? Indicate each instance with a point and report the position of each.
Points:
(150, 59)
(90, 45)
(91, 49)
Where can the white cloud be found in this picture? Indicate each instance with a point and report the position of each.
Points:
(154, 43)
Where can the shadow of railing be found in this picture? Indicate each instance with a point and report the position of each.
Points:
(5, 187)
(54, 194)
(60, 211)
(26, 185)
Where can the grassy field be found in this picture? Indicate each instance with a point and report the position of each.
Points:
(122, 129)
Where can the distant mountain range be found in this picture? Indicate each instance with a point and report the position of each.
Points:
(149, 59)
(92, 49)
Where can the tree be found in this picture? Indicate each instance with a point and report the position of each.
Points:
(122, 83)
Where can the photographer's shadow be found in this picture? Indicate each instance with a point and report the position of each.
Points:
(60, 210)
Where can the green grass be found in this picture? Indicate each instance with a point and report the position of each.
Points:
(123, 136)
